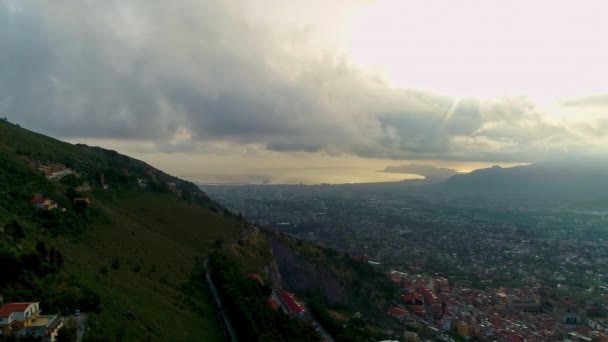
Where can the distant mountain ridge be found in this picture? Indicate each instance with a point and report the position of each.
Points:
(580, 177)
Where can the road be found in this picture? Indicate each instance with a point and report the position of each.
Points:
(218, 301)
(322, 330)
(80, 322)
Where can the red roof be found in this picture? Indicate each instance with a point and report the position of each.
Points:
(412, 297)
(7, 309)
(417, 309)
(38, 199)
(398, 311)
(256, 277)
(272, 304)
(289, 300)
(360, 257)
(429, 296)
(395, 278)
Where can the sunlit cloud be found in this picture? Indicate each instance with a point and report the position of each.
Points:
(401, 80)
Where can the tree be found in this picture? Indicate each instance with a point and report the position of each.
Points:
(71, 192)
(217, 244)
(15, 230)
(33, 263)
(11, 268)
(59, 258)
(71, 181)
(66, 333)
(41, 248)
(115, 263)
(52, 256)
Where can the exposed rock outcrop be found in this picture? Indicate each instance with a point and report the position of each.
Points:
(300, 274)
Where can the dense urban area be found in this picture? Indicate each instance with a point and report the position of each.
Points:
(488, 266)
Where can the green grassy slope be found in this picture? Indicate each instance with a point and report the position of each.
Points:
(135, 248)
(155, 240)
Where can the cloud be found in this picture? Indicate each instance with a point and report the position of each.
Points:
(186, 74)
(587, 101)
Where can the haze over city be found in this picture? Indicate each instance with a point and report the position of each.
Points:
(310, 92)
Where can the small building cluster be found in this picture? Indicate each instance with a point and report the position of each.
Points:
(172, 186)
(49, 169)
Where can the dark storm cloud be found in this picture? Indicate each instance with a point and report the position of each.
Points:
(184, 73)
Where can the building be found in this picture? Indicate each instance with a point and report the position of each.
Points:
(38, 201)
(49, 204)
(43, 203)
(598, 324)
(528, 304)
(409, 336)
(7, 320)
(84, 187)
(82, 202)
(413, 299)
(16, 316)
(361, 258)
(464, 330)
(398, 313)
(272, 304)
(418, 310)
(44, 327)
(256, 277)
(289, 300)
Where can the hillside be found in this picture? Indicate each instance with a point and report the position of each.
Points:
(127, 256)
(337, 289)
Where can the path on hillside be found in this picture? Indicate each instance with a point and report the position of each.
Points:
(218, 301)
(80, 322)
(220, 307)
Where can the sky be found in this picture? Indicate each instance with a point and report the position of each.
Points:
(310, 91)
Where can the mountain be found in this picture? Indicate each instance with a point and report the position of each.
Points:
(87, 228)
(578, 178)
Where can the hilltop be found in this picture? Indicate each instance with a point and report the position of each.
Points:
(87, 228)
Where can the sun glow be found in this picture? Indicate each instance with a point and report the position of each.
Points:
(544, 50)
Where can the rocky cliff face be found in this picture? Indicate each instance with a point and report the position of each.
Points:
(300, 274)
